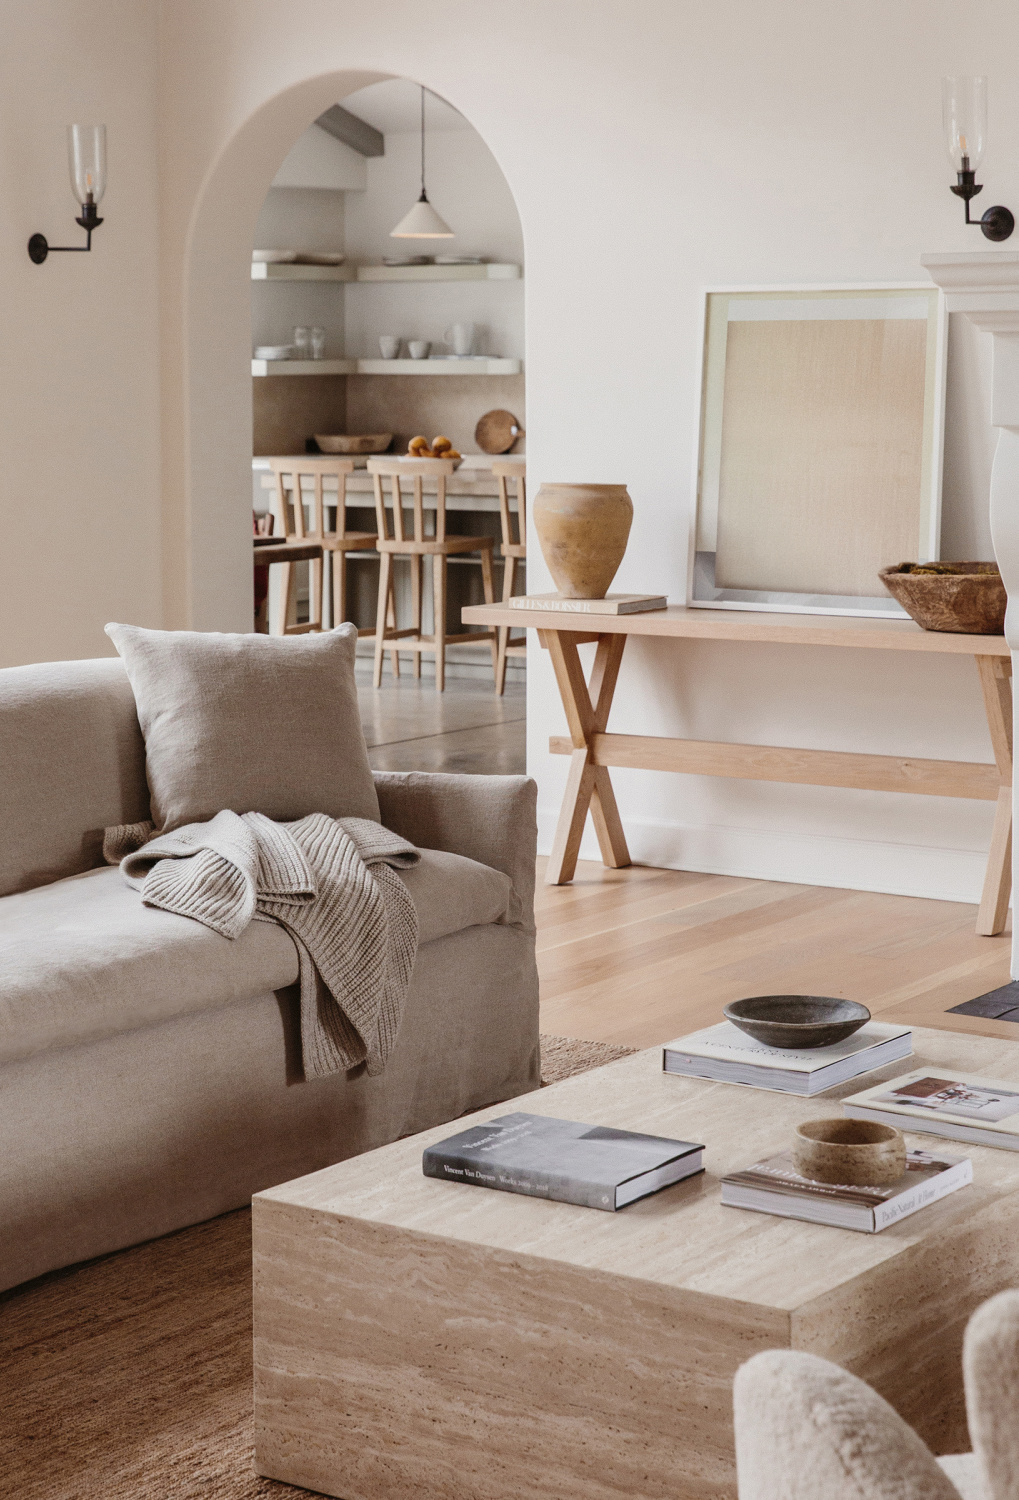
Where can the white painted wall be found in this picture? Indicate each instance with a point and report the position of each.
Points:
(79, 336)
(651, 149)
(651, 152)
(318, 160)
(470, 192)
(295, 218)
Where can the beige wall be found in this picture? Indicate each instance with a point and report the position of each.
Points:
(652, 149)
(79, 337)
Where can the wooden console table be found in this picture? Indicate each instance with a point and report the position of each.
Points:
(593, 751)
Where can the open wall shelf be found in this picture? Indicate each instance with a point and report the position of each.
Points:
(491, 271)
(284, 272)
(386, 366)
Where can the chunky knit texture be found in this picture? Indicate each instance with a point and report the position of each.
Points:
(331, 883)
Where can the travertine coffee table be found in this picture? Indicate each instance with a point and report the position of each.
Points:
(416, 1338)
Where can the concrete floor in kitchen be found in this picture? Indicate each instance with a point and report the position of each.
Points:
(411, 727)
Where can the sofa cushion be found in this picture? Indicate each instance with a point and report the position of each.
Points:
(83, 958)
(73, 763)
(254, 723)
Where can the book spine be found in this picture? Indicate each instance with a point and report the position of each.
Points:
(923, 1194)
(468, 1170)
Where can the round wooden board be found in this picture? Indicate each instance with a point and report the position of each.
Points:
(497, 431)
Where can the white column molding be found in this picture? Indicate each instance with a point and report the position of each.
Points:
(984, 284)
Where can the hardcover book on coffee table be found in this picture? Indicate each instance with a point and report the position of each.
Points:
(593, 1166)
(937, 1101)
(775, 1187)
(727, 1055)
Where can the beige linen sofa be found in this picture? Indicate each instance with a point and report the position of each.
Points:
(149, 1068)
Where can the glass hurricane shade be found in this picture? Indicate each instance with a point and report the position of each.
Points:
(964, 109)
(422, 223)
(86, 160)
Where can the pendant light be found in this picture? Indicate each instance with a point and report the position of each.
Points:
(422, 223)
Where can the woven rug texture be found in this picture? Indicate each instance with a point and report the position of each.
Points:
(129, 1377)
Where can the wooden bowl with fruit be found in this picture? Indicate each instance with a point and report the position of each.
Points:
(440, 447)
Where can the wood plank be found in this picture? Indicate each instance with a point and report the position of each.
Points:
(875, 773)
(753, 625)
(640, 955)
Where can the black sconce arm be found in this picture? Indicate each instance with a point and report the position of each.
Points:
(998, 222)
(39, 247)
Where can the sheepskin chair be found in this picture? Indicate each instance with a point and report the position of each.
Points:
(808, 1430)
(990, 1362)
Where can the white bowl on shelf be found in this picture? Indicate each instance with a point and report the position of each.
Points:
(275, 351)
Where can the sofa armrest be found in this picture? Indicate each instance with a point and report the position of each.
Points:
(488, 818)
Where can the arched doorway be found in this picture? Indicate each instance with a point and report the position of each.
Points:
(209, 489)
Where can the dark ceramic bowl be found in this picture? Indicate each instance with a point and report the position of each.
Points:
(796, 1021)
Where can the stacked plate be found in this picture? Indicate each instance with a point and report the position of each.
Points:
(275, 351)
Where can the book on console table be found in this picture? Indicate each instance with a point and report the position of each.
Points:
(590, 1165)
(962, 1106)
(727, 1055)
(775, 1187)
(612, 604)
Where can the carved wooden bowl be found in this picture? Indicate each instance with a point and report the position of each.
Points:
(966, 597)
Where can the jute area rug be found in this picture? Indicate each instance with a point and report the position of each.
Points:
(129, 1377)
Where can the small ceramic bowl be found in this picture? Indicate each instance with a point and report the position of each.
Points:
(795, 1021)
(854, 1153)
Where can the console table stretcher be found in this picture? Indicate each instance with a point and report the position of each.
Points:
(592, 750)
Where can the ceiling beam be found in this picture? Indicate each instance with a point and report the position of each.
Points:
(352, 131)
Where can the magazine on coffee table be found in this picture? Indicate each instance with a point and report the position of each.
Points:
(940, 1101)
(775, 1187)
(728, 1055)
(593, 1166)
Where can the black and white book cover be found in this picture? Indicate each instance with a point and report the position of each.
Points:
(593, 1166)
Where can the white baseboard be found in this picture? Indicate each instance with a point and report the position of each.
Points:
(939, 874)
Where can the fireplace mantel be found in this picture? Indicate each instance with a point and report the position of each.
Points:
(984, 284)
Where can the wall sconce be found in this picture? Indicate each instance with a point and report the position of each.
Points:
(964, 109)
(86, 158)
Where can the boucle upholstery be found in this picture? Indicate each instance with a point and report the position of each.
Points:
(808, 1430)
(990, 1365)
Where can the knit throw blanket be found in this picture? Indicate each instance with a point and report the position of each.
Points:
(331, 883)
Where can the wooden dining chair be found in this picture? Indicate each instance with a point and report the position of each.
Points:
(514, 549)
(416, 543)
(300, 486)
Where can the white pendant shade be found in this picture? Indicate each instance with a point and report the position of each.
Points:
(422, 223)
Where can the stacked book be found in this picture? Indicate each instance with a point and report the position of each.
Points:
(775, 1187)
(594, 1166)
(727, 1055)
(961, 1106)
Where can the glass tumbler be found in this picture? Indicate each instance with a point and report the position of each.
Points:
(302, 343)
(317, 340)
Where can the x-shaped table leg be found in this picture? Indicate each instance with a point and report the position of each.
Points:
(588, 786)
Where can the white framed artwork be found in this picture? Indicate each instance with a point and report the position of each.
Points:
(820, 446)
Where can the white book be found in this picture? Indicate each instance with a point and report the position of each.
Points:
(940, 1101)
(612, 604)
(727, 1055)
(775, 1187)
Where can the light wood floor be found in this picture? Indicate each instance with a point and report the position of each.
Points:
(639, 956)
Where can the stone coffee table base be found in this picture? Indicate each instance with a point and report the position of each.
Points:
(415, 1338)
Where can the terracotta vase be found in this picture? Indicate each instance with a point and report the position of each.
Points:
(583, 529)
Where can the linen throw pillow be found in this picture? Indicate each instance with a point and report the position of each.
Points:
(253, 723)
